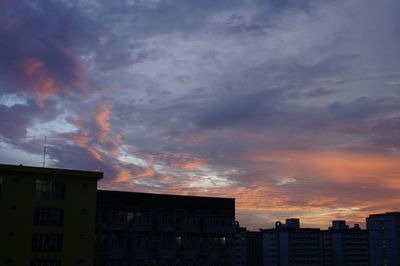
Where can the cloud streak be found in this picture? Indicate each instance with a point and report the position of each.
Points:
(291, 107)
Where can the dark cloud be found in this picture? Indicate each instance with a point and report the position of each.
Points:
(290, 106)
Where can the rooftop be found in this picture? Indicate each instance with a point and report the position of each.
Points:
(50, 171)
(164, 201)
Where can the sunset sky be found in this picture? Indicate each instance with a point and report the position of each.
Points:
(290, 106)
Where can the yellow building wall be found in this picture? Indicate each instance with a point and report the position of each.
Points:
(17, 203)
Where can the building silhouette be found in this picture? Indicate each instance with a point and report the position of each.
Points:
(254, 248)
(288, 244)
(47, 216)
(345, 246)
(152, 229)
(240, 245)
(57, 217)
(384, 238)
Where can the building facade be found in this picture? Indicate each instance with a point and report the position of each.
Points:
(384, 238)
(47, 216)
(254, 248)
(289, 245)
(240, 249)
(138, 229)
(344, 246)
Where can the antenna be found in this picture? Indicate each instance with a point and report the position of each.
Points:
(44, 152)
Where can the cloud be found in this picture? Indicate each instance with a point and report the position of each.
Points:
(289, 106)
(102, 119)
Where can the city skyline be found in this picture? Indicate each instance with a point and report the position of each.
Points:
(291, 107)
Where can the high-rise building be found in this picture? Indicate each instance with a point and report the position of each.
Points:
(344, 246)
(240, 249)
(137, 229)
(288, 244)
(254, 248)
(384, 238)
(47, 216)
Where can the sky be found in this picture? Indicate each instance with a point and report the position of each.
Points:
(292, 107)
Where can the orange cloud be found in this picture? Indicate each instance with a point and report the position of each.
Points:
(183, 160)
(102, 120)
(43, 86)
(94, 153)
(118, 138)
(81, 138)
(125, 175)
(343, 167)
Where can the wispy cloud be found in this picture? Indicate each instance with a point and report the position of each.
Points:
(291, 107)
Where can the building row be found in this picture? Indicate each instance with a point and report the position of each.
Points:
(58, 217)
(288, 244)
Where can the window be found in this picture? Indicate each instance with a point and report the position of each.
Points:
(46, 242)
(45, 263)
(42, 189)
(57, 191)
(1, 182)
(129, 217)
(50, 190)
(48, 217)
(119, 217)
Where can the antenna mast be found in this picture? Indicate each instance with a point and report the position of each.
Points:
(44, 152)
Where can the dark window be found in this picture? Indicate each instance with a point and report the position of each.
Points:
(58, 191)
(42, 189)
(50, 190)
(48, 217)
(45, 262)
(46, 242)
(119, 217)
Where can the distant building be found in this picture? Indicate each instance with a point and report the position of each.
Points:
(288, 244)
(240, 249)
(152, 229)
(47, 216)
(254, 248)
(344, 246)
(384, 238)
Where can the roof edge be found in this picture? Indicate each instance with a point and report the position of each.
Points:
(50, 171)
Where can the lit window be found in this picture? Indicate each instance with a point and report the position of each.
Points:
(129, 217)
(223, 240)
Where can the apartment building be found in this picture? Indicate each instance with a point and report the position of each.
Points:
(47, 216)
(384, 238)
(288, 245)
(137, 229)
(345, 246)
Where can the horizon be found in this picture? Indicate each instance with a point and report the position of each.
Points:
(290, 107)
